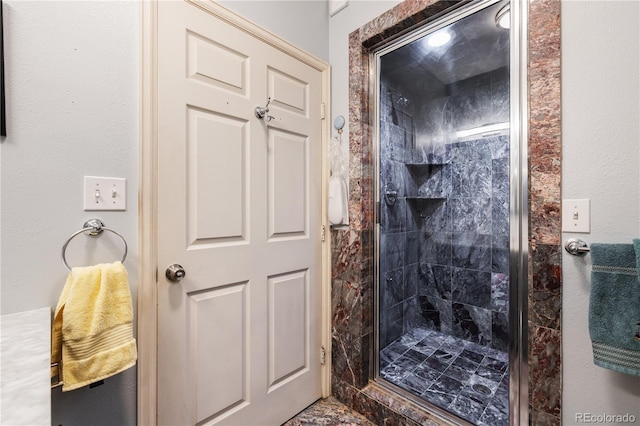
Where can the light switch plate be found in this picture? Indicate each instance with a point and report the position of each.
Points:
(576, 216)
(336, 6)
(105, 193)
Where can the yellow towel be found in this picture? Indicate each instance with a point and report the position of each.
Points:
(93, 325)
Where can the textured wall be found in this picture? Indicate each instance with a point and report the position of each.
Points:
(72, 88)
(601, 162)
(305, 23)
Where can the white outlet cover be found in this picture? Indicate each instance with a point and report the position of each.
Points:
(105, 193)
(576, 216)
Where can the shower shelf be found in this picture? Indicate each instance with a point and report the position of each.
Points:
(424, 165)
(425, 207)
(426, 199)
(421, 172)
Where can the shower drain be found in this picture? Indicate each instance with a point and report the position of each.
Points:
(481, 389)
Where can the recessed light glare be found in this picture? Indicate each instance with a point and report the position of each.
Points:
(503, 18)
(439, 38)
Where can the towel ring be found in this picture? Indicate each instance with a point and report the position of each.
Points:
(92, 227)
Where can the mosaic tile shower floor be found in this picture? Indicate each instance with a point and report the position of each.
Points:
(466, 379)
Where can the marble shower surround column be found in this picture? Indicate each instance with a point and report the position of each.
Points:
(352, 251)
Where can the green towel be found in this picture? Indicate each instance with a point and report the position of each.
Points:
(614, 306)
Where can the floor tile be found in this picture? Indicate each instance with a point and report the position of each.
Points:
(465, 378)
(467, 408)
(444, 356)
(472, 356)
(458, 373)
(394, 373)
(416, 356)
(436, 364)
(438, 398)
(427, 374)
(490, 374)
(494, 364)
(493, 416)
(416, 383)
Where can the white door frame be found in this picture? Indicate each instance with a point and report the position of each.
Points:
(148, 267)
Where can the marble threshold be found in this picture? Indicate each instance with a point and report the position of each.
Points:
(328, 412)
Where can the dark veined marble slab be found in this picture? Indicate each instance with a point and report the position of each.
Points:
(329, 411)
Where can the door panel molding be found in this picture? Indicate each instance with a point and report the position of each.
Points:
(148, 192)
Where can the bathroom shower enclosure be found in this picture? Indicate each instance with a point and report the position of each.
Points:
(448, 272)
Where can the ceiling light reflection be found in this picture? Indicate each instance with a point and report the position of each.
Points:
(439, 38)
(503, 18)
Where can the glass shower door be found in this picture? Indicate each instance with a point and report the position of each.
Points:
(444, 231)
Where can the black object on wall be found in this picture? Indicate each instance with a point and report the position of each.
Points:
(3, 115)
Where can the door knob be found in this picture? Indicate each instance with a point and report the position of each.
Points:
(175, 272)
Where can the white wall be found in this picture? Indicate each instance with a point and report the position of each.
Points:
(71, 76)
(71, 70)
(601, 162)
(356, 14)
(304, 23)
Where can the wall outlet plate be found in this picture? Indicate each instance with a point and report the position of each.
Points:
(576, 216)
(105, 193)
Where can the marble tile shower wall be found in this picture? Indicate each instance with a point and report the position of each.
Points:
(398, 265)
(445, 237)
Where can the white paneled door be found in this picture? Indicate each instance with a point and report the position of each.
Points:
(239, 208)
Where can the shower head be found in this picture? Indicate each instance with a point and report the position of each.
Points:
(402, 101)
(400, 98)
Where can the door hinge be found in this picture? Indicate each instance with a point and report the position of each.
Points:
(323, 233)
(322, 111)
(323, 355)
